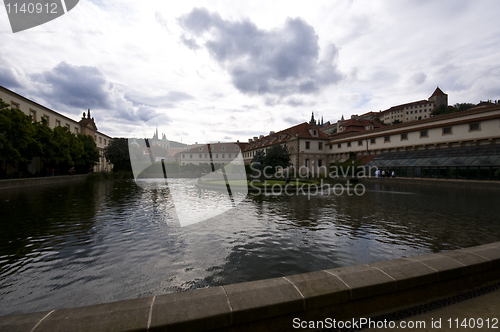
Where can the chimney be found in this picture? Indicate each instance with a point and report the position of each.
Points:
(237, 141)
(261, 136)
(271, 133)
(255, 138)
(249, 140)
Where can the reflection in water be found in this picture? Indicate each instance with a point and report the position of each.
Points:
(89, 243)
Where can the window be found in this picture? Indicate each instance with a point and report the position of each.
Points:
(223, 156)
(387, 139)
(331, 146)
(200, 149)
(217, 155)
(67, 125)
(307, 145)
(446, 130)
(314, 132)
(100, 139)
(339, 145)
(191, 156)
(223, 148)
(348, 144)
(474, 127)
(404, 136)
(76, 130)
(48, 120)
(320, 163)
(14, 105)
(320, 145)
(105, 141)
(372, 140)
(360, 142)
(33, 114)
(183, 156)
(229, 155)
(424, 133)
(205, 155)
(58, 123)
(199, 156)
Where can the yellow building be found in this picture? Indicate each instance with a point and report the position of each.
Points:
(86, 125)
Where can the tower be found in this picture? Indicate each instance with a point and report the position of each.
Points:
(312, 122)
(439, 98)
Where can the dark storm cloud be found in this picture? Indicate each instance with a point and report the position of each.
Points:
(76, 86)
(8, 78)
(279, 62)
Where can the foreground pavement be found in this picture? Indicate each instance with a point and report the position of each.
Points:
(481, 313)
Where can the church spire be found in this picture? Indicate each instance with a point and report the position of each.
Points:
(312, 122)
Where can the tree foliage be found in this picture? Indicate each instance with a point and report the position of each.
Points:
(277, 156)
(117, 152)
(460, 107)
(17, 136)
(21, 139)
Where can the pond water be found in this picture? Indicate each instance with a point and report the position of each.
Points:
(94, 242)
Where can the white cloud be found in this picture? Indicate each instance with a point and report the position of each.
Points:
(130, 60)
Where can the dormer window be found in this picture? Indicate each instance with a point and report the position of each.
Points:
(200, 149)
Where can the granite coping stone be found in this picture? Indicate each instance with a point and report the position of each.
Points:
(446, 267)
(22, 322)
(230, 305)
(364, 280)
(195, 310)
(407, 273)
(472, 263)
(127, 315)
(262, 299)
(320, 289)
(491, 253)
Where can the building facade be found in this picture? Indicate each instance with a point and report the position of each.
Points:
(474, 127)
(306, 144)
(417, 110)
(86, 125)
(212, 153)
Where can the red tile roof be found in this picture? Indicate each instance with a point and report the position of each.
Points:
(303, 130)
(438, 92)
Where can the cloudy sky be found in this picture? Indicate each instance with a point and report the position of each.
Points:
(230, 70)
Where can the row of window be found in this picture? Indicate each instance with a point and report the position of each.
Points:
(224, 148)
(423, 134)
(58, 122)
(411, 112)
(206, 156)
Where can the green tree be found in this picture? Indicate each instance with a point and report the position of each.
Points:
(277, 156)
(395, 122)
(90, 155)
(442, 109)
(70, 149)
(50, 147)
(17, 136)
(117, 152)
(460, 107)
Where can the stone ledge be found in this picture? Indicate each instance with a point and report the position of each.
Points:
(29, 182)
(341, 292)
